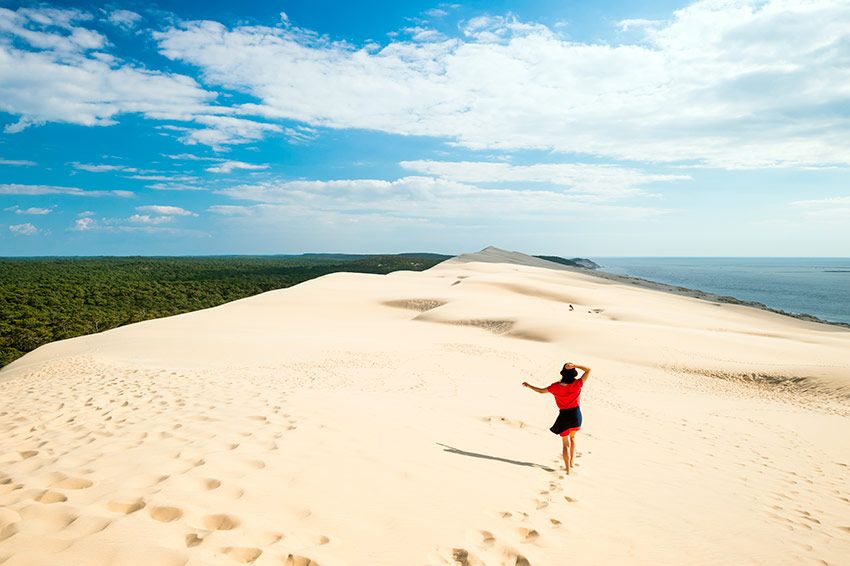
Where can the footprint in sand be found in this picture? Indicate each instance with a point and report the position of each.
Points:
(50, 497)
(125, 506)
(166, 514)
(514, 558)
(243, 554)
(17, 456)
(73, 483)
(462, 557)
(8, 531)
(296, 560)
(220, 522)
(515, 423)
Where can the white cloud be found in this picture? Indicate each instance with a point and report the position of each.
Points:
(84, 224)
(124, 18)
(231, 210)
(174, 187)
(169, 178)
(19, 189)
(61, 80)
(102, 168)
(300, 134)
(32, 210)
(604, 180)
(142, 175)
(190, 157)
(139, 223)
(147, 219)
(834, 210)
(226, 130)
(436, 13)
(29, 25)
(422, 34)
(229, 166)
(714, 85)
(24, 229)
(85, 213)
(165, 210)
(65, 76)
(17, 162)
(424, 197)
(638, 23)
(501, 29)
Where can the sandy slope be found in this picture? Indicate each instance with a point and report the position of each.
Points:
(363, 419)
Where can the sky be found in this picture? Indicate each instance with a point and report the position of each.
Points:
(593, 129)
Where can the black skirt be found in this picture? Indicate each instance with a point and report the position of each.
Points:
(567, 419)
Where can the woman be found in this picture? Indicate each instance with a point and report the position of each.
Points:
(566, 392)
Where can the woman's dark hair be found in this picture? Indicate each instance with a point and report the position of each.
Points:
(568, 375)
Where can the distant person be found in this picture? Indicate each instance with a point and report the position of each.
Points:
(566, 392)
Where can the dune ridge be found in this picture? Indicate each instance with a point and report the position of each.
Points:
(364, 419)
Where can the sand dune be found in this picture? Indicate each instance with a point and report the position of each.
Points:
(366, 420)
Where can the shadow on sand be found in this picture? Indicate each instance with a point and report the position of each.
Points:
(454, 450)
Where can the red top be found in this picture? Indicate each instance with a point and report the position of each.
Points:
(566, 394)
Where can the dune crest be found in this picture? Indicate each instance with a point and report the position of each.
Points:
(361, 419)
(492, 254)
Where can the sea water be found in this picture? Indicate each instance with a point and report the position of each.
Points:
(815, 286)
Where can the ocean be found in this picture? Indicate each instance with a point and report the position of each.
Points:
(815, 286)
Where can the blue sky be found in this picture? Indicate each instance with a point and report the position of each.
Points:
(569, 128)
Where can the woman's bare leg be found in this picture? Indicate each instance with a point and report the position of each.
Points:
(566, 453)
(572, 448)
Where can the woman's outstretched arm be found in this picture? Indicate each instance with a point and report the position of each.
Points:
(538, 389)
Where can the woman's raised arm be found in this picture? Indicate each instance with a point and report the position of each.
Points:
(586, 371)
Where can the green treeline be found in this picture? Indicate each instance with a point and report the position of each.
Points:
(48, 299)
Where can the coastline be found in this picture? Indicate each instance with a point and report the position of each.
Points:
(697, 294)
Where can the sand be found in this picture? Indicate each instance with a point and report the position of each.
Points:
(379, 420)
